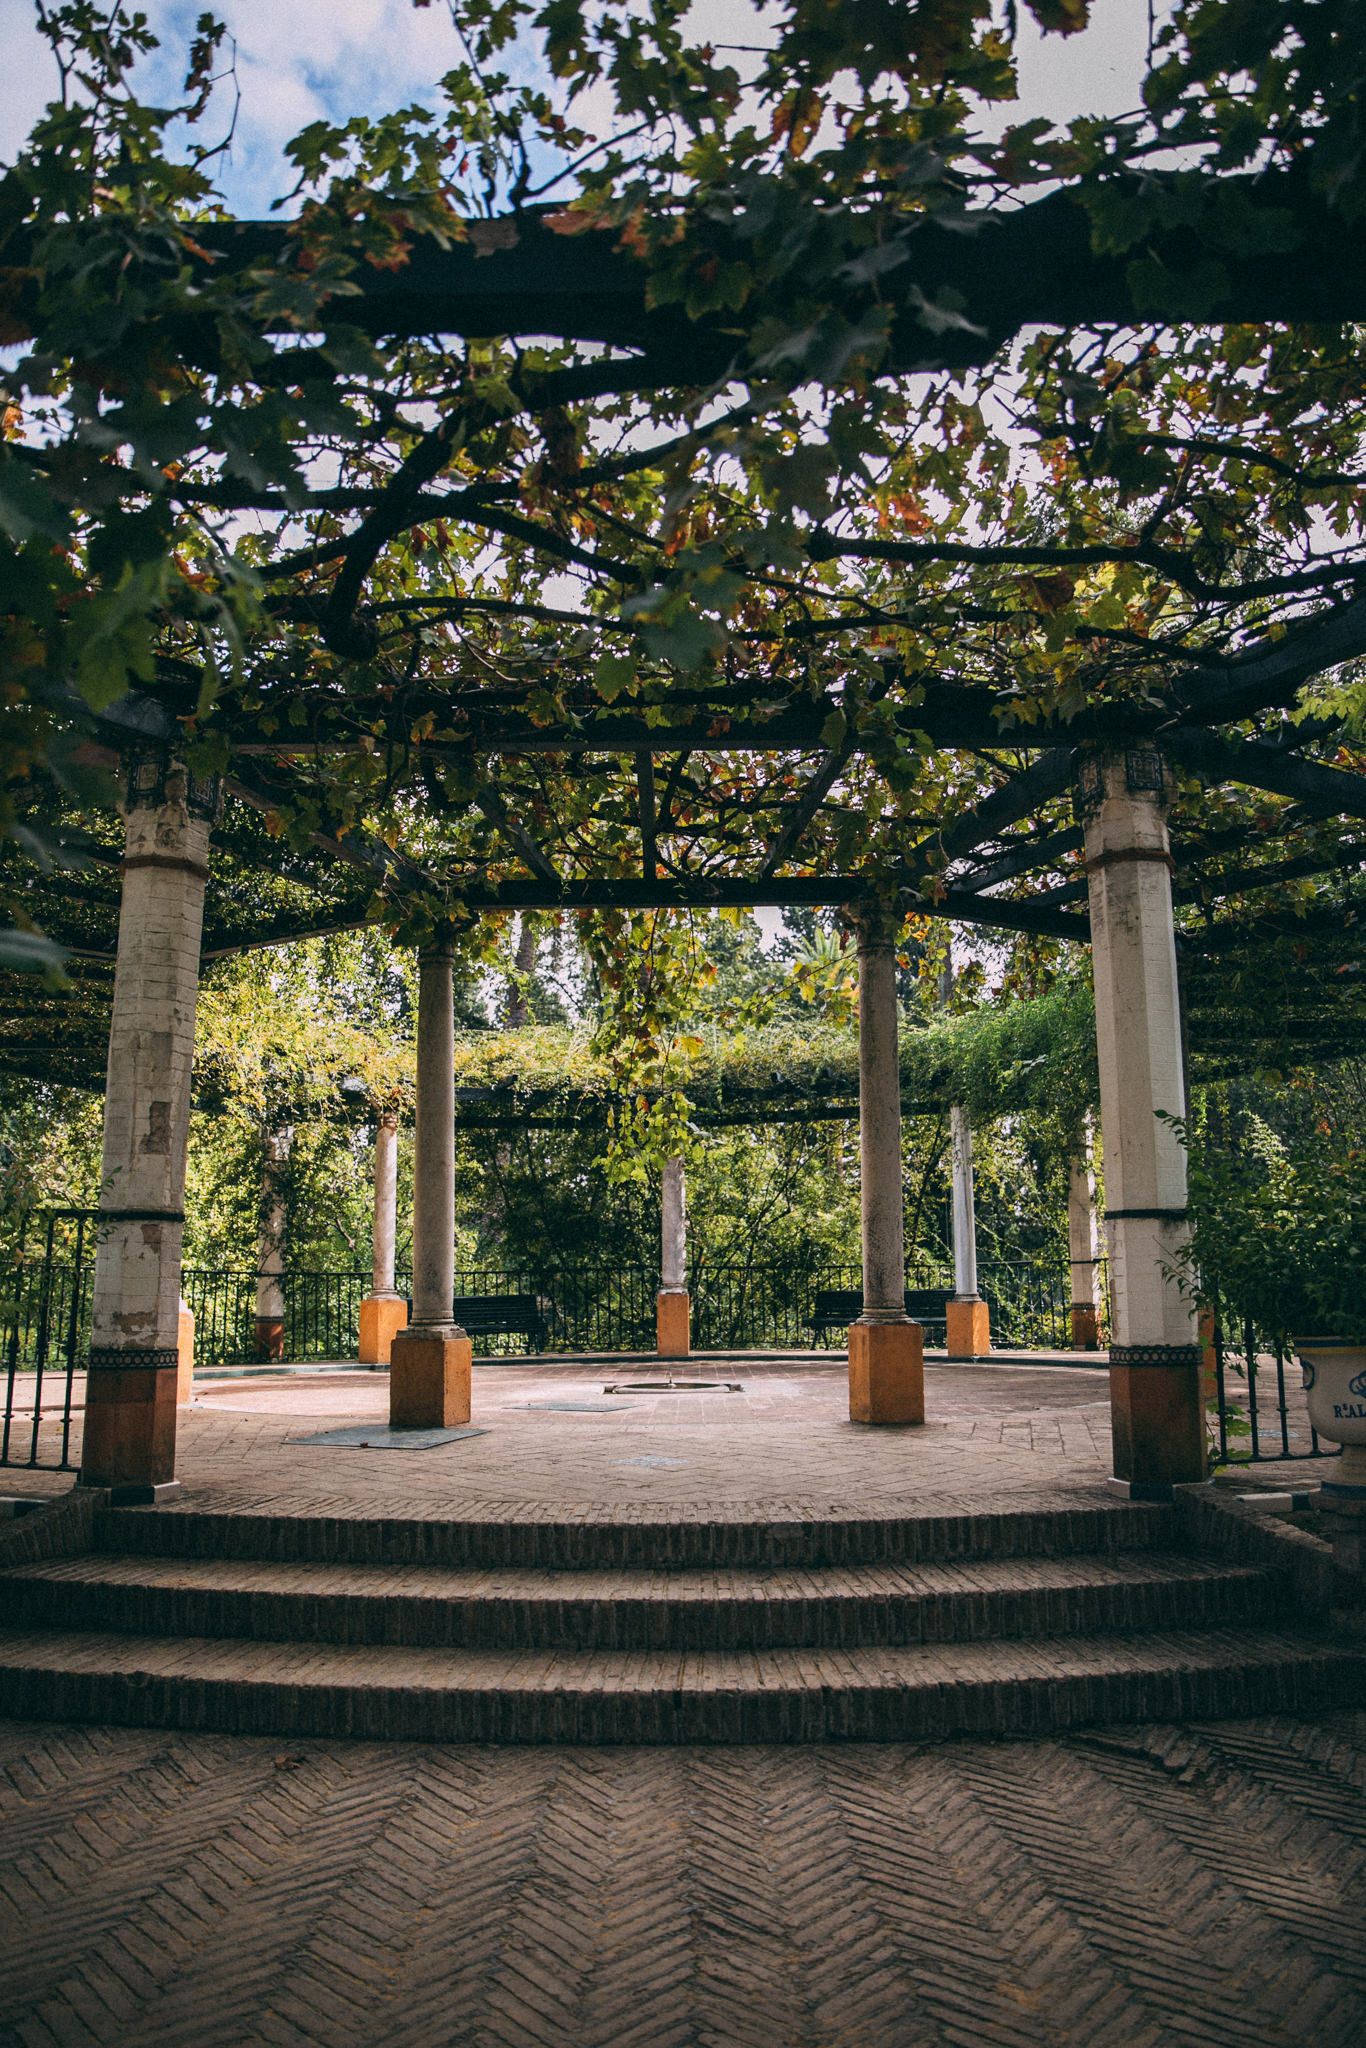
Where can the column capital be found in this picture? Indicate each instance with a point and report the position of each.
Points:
(155, 774)
(440, 949)
(877, 927)
(1137, 770)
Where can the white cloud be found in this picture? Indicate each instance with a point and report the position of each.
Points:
(305, 60)
(297, 61)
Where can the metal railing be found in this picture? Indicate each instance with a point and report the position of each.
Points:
(1255, 1416)
(1256, 1406)
(734, 1307)
(45, 1332)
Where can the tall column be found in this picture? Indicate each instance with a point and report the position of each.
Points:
(1156, 1409)
(429, 1363)
(886, 1349)
(384, 1312)
(1083, 1245)
(270, 1249)
(967, 1317)
(673, 1336)
(130, 1398)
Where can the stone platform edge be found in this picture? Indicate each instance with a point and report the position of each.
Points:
(60, 1527)
(1216, 1525)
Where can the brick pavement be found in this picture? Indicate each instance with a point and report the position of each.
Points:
(555, 1435)
(1136, 1887)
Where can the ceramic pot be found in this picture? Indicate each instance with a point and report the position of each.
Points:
(1335, 1387)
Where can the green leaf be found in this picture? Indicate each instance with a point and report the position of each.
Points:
(27, 510)
(613, 674)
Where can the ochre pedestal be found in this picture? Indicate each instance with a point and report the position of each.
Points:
(129, 1435)
(673, 1324)
(967, 1329)
(1085, 1327)
(429, 1382)
(382, 1316)
(886, 1372)
(270, 1338)
(1209, 1357)
(1157, 1418)
(184, 1384)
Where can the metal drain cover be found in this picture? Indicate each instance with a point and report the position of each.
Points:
(674, 1387)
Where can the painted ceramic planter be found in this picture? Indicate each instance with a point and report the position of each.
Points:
(1335, 1387)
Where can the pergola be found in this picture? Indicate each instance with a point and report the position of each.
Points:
(722, 790)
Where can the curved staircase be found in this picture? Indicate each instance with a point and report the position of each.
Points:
(594, 1628)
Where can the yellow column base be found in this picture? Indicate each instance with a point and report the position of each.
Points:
(1085, 1327)
(1209, 1357)
(673, 1323)
(381, 1319)
(429, 1382)
(184, 1379)
(886, 1372)
(968, 1332)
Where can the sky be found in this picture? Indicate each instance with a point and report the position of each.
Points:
(306, 60)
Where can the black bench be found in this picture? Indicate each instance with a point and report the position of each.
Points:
(836, 1307)
(502, 1315)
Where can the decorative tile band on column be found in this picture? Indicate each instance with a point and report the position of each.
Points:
(1171, 1355)
(164, 1358)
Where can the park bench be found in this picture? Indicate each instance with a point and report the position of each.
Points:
(503, 1315)
(836, 1307)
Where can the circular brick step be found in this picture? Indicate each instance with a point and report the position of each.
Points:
(510, 1608)
(604, 1538)
(925, 1692)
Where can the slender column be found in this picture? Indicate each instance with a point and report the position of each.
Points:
(1083, 1245)
(384, 1312)
(672, 1308)
(429, 1380)
(385, 1232)
(886, 1349)
(1156, 1410)
(130, 1401)
(964, 1207)
(270, 1250)
(967, 1316)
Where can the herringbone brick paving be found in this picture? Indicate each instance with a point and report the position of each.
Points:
(1196, 1886)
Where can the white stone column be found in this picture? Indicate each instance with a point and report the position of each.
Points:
(1083, 1244)
(270, 1249)
(384, 1312)
(429, 1380)
(385, 1229)
(129, 1439)
(967, 1318)
(886, 1349)
(673, 1335)
(1156, 1406)
(964, 1206)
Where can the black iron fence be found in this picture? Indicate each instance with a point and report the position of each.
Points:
(321, 1314)
(1256, 1403)
(734, 1307)
(1257, 1411)
(45, 1334)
